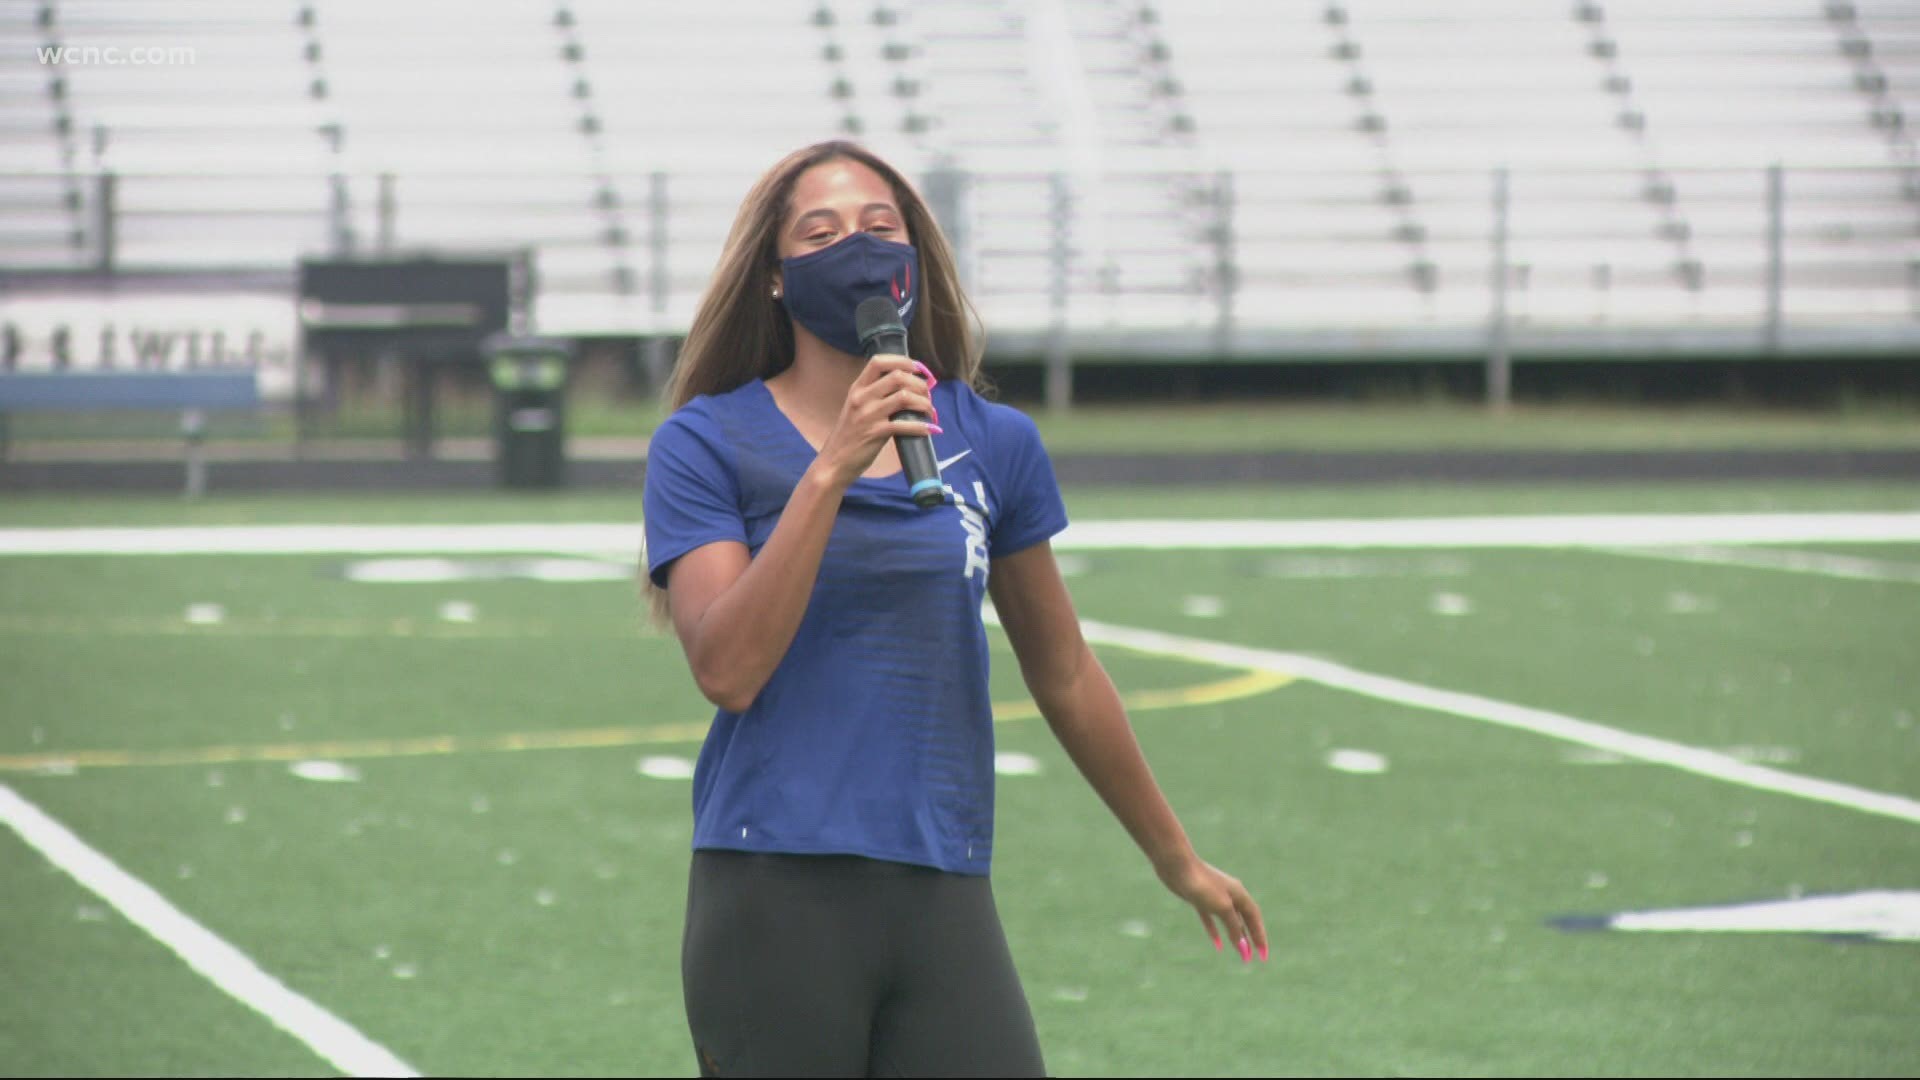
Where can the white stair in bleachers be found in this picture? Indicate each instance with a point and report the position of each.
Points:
(1361, 135)
(215, 93)
(1893, 29)
(232, 94)
(41, 222)
(479, 128)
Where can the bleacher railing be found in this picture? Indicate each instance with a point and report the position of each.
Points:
(1248, 264)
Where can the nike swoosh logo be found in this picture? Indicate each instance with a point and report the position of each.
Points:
(954, 458)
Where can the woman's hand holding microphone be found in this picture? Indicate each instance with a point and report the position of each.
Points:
(889, 384)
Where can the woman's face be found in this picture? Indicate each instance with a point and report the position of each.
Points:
(835, 199)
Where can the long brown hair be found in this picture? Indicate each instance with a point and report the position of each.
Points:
(741, 333)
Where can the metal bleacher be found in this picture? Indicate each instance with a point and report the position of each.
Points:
(476, 127)
(221, 172)
(689, 109)
(39, 206)
(1891, 60)
(1636, 135)
(1050, 111)
(1772, 81)
(1284, 177)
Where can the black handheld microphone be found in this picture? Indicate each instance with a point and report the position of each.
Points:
(881, 331)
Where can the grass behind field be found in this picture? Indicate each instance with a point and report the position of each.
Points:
(482, 910)
(1448, 425)
(1165, 427)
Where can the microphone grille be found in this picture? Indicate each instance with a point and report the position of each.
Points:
(877, 315)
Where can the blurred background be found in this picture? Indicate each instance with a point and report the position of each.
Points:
(1392, 203)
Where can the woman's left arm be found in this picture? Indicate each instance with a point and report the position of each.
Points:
(1085, 712)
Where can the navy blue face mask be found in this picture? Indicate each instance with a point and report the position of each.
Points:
(822, 288)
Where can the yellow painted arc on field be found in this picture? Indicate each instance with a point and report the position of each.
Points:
(1236, 688)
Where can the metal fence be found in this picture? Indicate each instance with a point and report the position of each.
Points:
(1246, 264)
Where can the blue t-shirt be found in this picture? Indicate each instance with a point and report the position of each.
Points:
(874, 735)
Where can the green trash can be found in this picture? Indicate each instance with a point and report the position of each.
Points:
(529, 376)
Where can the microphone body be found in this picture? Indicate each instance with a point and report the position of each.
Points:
(882, 332)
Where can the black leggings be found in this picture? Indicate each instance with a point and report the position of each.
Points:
(833, 965)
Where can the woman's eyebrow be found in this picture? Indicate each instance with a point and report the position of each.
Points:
(830, 215)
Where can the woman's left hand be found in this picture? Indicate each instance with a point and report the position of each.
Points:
(1217, 895)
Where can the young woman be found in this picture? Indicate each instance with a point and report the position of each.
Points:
(840, 919)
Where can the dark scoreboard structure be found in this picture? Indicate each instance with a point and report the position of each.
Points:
(425, 312)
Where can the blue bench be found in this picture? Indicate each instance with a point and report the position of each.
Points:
(192, 393)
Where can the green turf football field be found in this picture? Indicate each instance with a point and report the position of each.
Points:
(452, 817)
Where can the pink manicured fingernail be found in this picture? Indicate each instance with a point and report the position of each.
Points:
(1216, 941)
(1246, 952)
(936, 429)
(927, 374)
(1263, 952)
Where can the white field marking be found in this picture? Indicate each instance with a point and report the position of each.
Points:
(1071, 565)
(583, 539)
(439, 570)
(1015, 763)
(1360, 762)
(1572, 530)
(1680, 756)
(1799, 562)
(206, 614)
(222, 964)
(597, 540)
(665, 767)
(1885, 914)
(459, 611)
(1203, 607)
(1771, 755)
(1346, 567)
(331, 772)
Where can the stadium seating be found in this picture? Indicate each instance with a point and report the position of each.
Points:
(1301, 166)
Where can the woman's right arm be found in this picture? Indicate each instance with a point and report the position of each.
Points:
(736, 614)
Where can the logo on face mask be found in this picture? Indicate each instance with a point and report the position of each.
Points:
(822, 288)
(903, 294)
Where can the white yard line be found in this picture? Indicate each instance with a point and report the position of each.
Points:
(225, 966)
(623, 539)
(1822, 563)
(1554, 725)
(324, 540)
(1554, 531)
